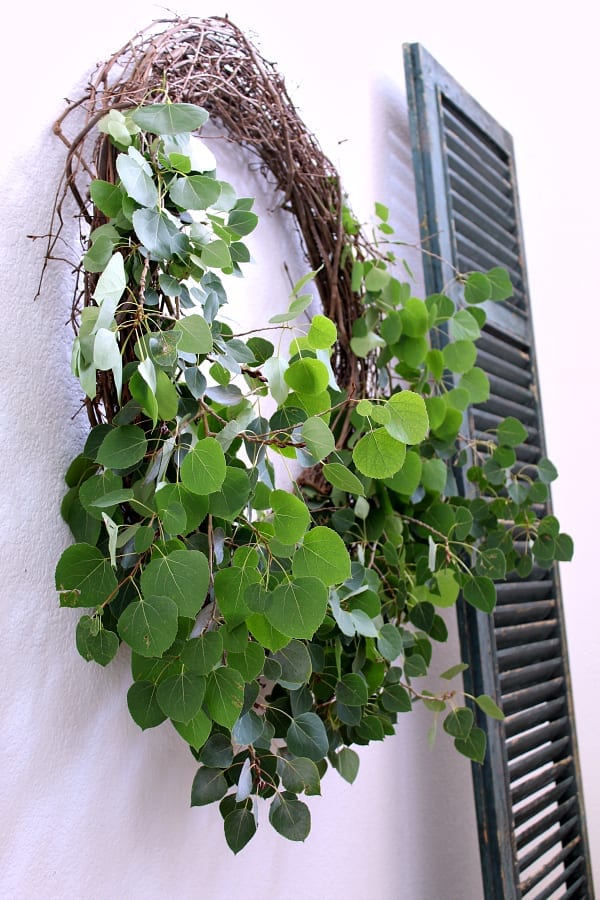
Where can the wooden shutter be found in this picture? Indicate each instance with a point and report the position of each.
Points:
(530, 812)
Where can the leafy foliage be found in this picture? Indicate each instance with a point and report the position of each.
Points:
(277, 628)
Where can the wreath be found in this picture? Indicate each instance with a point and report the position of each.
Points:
(274, 628)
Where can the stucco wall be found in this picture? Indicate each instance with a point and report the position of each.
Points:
(90, 805)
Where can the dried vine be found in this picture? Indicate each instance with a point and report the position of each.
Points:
(211, 63)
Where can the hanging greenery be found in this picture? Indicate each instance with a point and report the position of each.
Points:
(275, 628)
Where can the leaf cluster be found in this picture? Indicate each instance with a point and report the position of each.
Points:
(276, 629)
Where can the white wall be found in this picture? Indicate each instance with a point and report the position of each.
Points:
(90, 806)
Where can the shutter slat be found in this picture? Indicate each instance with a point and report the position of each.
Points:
(486, 255)
(554, 837)
(469, 214)
(514, 657)
(556, 815)
(530, 674)
(536, 737)
(480, 151)
(533, 611)
(530, 786)
(524, 590)
(542, 692)
(485, 218)
(549, 867)
(542, 801)
(515, 635)
(532, 716)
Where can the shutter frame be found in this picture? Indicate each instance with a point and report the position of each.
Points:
(441, 114)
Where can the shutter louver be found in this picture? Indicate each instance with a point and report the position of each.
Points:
(531, 820)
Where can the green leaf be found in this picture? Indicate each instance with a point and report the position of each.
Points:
(322, 333)
(233, 496)
(195, 506)
(480, 592)
(448, 588)
(202, 654)
(460, 356)
(106, 350)
(395, 698)
(143, 705)
(107, 197)
(230, 586)
(217, 753)
(196, 731)
(93, 489)
(182, 575)
(295, 309)
(389, 642)
(209, 785)
(546, 471)
(95, 642)
(352, 690)
(291, 517)
(323, 555)
(216, 255)
(306, 736)
(295, 664)
(249, 663)
(240, 827)
(473, 746)
(84, 577)
(478, 288)
(318, 438)
(341, 477)
(265, 633)
(492, 563)
(307, 376)
(180, 696)
(347, 762)
(563, 548)
(459, 722)
(122, 447)
(410, 422)
(487, 705)
(415, 318)
(113, 498)
(511, 432)
(149, 625)
(242, 221)
(195, 192)
(224, 696)
(297, 608)
(204, 468)
(378, 455)
(501, 287)
(274, 371)
(453, 671)
(156, 231)
(463, 326)
(299, 774)
(136, 174)
(434, 475)
(110, 287)
(249, 727)
(196, 336)
(477, 384)
(142, 394)
(290, 817)
(170, 118)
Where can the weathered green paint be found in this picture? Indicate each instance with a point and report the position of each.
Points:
(469, 213)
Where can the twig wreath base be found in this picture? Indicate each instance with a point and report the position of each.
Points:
(273, 629)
